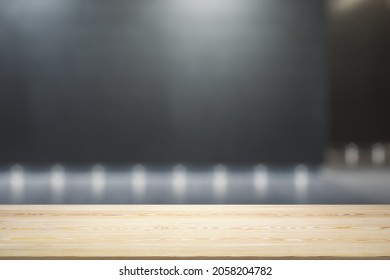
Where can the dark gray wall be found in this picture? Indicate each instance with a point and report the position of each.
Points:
(360, 69)
(163, 81)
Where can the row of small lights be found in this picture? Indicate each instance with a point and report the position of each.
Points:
(378, 154)
(179, 177)
(139, 181)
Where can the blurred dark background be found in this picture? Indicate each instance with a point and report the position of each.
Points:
(163, 81)
(360, 71)
(167, 81)
(194, 101)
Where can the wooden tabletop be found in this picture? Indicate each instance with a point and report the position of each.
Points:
(194, 231)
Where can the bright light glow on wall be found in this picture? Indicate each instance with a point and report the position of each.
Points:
(345, 5)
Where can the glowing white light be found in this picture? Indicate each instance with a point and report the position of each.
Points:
(98, 181)
(345, 5)
(301, 182)
(17, 182)
(57, 182)
(351, 154)
(220, 181)
(260, 180)
(378, 154)
(179, 181)
(139, 180)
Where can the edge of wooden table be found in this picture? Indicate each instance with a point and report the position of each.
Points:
(194, 232)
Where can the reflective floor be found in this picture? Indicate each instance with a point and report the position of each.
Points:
(195, 185)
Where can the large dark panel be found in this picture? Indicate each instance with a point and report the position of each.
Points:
(162, 81)
(360, 67)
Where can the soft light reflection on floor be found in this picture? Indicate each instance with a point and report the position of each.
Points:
(225, 184)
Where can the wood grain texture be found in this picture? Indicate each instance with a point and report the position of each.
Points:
(195, 231)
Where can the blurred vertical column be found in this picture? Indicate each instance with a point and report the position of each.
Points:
(378, 154)
(301, 183)
(352, 154)
(260, 182)
(139, 182)
(17, 183)
(220, 181)
(179, 182)
(98, 182)
(57, 183)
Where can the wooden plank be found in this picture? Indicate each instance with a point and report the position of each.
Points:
(195, 231)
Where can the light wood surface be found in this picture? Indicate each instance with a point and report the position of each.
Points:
(195, 231)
